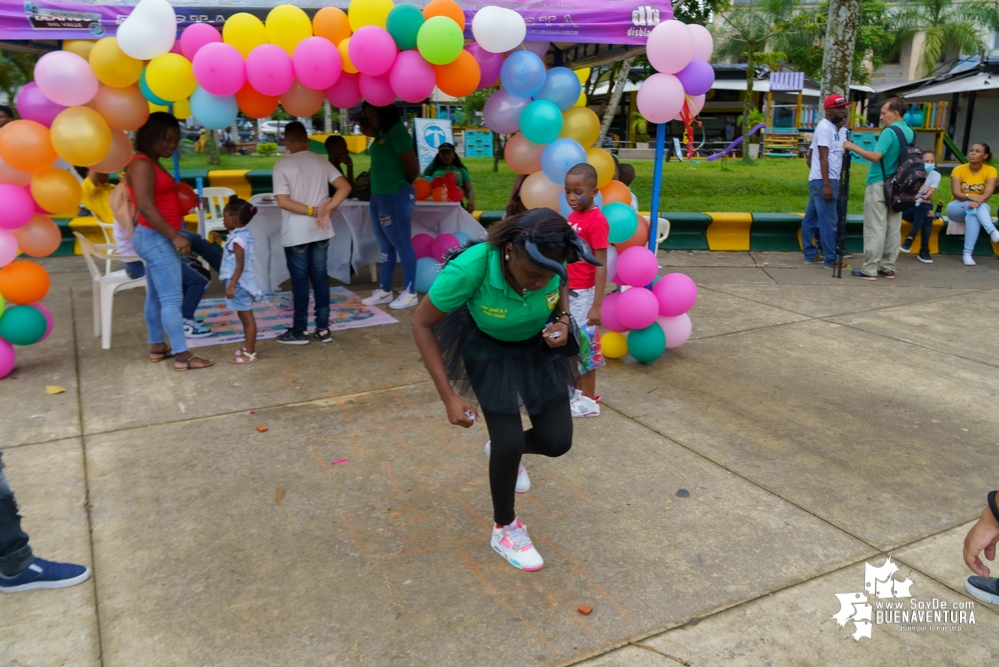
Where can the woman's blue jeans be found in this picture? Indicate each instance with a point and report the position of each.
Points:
(164, 287)
(392, 220)
(193, 283)
(974, 220)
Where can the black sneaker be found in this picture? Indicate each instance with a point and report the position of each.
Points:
(906, 245)
(324, 335)
(924, 257)
(986, 590)
(292, 337)
(857, 273)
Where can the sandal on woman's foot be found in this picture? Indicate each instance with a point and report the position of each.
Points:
(243, 357)
(155, 356)
(208, 363)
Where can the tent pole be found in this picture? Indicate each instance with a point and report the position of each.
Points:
(657, 182)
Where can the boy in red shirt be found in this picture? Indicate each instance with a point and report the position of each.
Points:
(587, 282)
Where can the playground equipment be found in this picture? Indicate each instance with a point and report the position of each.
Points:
(732, 146)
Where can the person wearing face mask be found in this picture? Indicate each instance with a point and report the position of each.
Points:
(826, 163)
(919, 215)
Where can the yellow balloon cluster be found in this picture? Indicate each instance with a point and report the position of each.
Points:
(369, 12)
(244, 32)
(171, 77)
(581, 124)
(286, 26)
(603, 162)
(80, 136)
(111, 66)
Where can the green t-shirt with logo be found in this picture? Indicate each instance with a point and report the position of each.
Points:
(890, 150)
(476, 277)
(388, 173)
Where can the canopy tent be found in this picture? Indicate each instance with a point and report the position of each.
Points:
(977, 82)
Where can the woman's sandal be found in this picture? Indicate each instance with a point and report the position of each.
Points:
(187, 364)
(241, 356)
(155, 357)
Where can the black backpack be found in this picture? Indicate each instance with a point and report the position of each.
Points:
(904, 185)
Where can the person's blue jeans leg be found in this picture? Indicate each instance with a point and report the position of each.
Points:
(135, 270)
(164, 287)
(387, 267)
(201, 247)
(318, 253)
(298, 267)
(392, 219)
(15, 554)
(827, 212)
(810, 223)
(194, 285)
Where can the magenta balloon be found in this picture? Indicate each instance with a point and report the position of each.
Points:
(65, 78)
(345, 93)
(676, 293)
(637, 308)
(8, 247)
(196, 36)
(372, 50)
(7, 358)
(33, 105)
(318, 64)
(696, 77)
(422, 244)
(670, 47)
(376, 89)
(18, 206)
(412, 78)
(269, 70)
(490, 64)
(442, 244)
(219, 69)
(660, 98)
(610, 315)
(704, 43)
(637, 266)
(677, 329)
(502, 111)
(49, 320)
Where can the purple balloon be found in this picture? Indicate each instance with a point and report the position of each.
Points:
(697, 77)
(502, 111)
(489, 64)
(49, 320)
(33, 105)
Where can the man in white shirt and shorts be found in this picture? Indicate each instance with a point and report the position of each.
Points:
(825, 162)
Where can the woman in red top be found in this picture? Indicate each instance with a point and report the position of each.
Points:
(158, 241)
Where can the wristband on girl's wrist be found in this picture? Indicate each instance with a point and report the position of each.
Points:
(312, 212)
(992, 505)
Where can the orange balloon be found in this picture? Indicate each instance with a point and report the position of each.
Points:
(448, 8)
(438, 194)
(459, 77)
(302, 102)
(348, 64)
(24, 282)
(118, 155)
(521, 155)
(254, 104)
(616, 191)
(25, 146)
(539, 192)
(423, 189)
(122, 108)
(56, 191)
(640, 237)
(331, 23)
(39, 238)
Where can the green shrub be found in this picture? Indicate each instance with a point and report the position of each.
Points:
(267, 148)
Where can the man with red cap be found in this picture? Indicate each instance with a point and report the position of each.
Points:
(825, 163)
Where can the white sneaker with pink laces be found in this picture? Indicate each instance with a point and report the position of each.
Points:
(515, 546)
(523, 481)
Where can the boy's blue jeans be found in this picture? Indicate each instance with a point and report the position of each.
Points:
(308, 262)
(15, 554)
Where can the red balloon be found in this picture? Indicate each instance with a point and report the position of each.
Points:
(188, 198)
(454, 193)
(451, 179)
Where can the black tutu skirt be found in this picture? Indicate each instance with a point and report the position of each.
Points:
(503, 377)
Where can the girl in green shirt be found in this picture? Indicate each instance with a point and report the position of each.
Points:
(495, 328)
(447, 161)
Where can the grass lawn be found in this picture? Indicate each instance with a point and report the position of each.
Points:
(766, 186)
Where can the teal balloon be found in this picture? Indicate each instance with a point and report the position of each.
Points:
(427, 269)
(215, 112)
(22, 325)
(648, 344)
(403, 24)
(623, 221)
(541, 122)
(148, 94)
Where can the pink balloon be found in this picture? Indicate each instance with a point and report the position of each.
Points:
(675, 293)
(521, 155)
(8, 247)
(696, 104)
(196, 36)
(33, 105)
(65, 78)
(377, 90)
(219, 69)
(49, 320)
(345, 93)
(269, 70)
(7, 358)
(677, 329)
(637, 266)
(638, 307)
(609, 312)
(489, 64)
(670, 47)
(18, 206)
(317, 63)
(704, 43)
(660, 98)
(423, 245)
(412, 78)
(176, 48)
(502, 111)
(372, 50)
(10, 175)
(442, 244)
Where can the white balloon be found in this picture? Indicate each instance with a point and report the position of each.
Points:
(497, 29)
(149, 31)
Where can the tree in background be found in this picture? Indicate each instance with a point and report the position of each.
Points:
(16, 69)
(945, 25)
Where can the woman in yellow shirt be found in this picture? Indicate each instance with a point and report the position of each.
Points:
(971, 186)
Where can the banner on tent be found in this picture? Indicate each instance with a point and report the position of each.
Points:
(430, 134)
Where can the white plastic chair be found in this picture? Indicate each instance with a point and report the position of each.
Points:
(210, 220)
(662, 231)
(108, 231)
(105, 285)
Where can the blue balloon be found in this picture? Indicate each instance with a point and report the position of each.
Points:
(427, 269)
(561, 87)
(541, 122)
(149, 94)
(462, 237)
(565, 209)
(560, 156)
(523, 74)
(214, 112)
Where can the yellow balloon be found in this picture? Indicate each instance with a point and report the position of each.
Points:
(56, 190)
(171, 77)
(153, 108)
(579, 123)
(348, 66)
(111, 66)
(245, 32)
(181, 109)
(583, 74)
(602, 161)
(582, 101)
(80, 136)
(80, 47)
(614, 345)
(368, 12)
(287, 26)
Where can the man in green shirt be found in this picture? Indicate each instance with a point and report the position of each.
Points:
(882, 226)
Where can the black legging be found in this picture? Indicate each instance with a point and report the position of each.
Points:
(551, 435)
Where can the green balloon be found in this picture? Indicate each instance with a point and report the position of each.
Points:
(440, 40)
(3, 305)
(541, 122)
(404, 22)
(622, 219)
(22, 325)
(647, 344)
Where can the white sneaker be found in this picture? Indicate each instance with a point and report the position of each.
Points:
(523, 481)
(515, 546)
(994, 235)
(194, 329)
(967, 260)
(583, 406)
(405, 300)
(377, 297)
